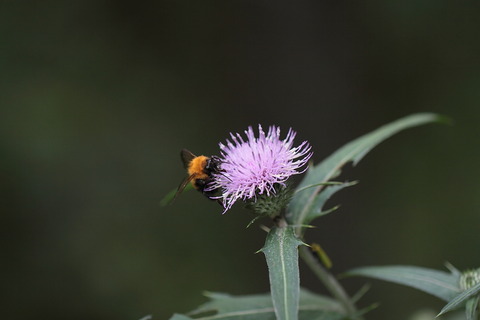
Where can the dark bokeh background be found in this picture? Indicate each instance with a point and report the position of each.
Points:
(98, 97)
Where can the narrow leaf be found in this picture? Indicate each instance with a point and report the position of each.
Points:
(460, 299)
(303, 202)
(437, 283)
(281, 252)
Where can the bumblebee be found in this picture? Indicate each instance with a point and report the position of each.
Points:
(200, 170)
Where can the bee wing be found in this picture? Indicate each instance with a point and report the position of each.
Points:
(170, 197)
(183, 185)
(187, 157)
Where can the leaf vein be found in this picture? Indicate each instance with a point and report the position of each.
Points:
(282, 259)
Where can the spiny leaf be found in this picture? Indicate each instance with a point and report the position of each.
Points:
(460, 299)
(322, 198)
(329, 183)
(438, 283)
(225, 304)
(281, 252)
(304, 202)
(259, 307)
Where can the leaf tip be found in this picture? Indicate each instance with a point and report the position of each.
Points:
(440, 314)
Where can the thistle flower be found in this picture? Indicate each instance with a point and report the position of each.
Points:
(258, 166)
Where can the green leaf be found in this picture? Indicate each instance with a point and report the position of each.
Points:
(329, 183)
(177, 316)
(441, 284)
(259, 307)
(461, 298)
(305, 202)
(315, 306)
(471, 308)
(228, 305)
(322, 198)
(281, 252)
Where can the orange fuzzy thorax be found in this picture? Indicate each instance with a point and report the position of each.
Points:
(196, 167)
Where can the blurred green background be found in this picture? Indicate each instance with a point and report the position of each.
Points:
(98, 97)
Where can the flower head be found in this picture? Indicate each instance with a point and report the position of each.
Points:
(257, 165)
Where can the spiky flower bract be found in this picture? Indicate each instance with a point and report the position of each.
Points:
(258, 165)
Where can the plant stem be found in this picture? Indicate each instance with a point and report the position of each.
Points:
(332, 285)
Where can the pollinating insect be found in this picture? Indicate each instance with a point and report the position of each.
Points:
(200, 170)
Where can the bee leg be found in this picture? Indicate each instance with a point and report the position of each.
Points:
(210, 194)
